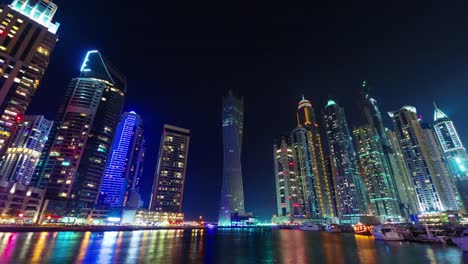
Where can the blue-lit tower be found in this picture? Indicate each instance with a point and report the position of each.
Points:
(125, 165)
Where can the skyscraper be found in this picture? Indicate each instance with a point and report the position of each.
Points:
(349, 187)
(75, 161)
(27, 38)
(120, 184)
(169, 178)
(322, 181)
(308, 194)
(382, 201)
(403, 180)
(454, 152)
(449, 192)
(287, 191)
(373, 118)
(25, 149)
(232, 190)
(418, 160)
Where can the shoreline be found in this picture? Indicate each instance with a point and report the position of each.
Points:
(47, 228)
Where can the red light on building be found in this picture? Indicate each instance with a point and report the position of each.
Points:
(21, 215)
(291, 163)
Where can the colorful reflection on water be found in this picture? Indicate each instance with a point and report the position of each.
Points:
(216, 246)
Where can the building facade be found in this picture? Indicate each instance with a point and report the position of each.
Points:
(418, 160)
(287, 189)
(27, 39)
(74, 160)
(454, 153)
(169, 178)
(232, 190)
(382, 199)
(22, 156)
(20, 203)
(449, 192)
(404, 183)
(120, 184)
(349, 188)
(322, 181)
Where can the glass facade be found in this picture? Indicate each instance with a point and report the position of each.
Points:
(22, 156)
(74, 161)
(349, 188)
(125, 165)
(27, 39)
(417, 158)
(321, 179)
(232, 190)
(454, 153)
(169, 178)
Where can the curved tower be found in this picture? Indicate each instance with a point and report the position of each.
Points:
(232, 192)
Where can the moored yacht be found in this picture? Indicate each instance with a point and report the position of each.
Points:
(310, 227)
(387, 232)
(333, 228)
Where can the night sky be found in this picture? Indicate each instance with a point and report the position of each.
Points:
(181, 57)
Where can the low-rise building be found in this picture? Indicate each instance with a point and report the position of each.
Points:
(19, 203)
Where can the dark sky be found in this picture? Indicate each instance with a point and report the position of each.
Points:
(181, 57)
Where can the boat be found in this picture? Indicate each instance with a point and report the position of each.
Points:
(333, 228)
(310, 227)
(387, 232)
(362, 229)
(462, 241)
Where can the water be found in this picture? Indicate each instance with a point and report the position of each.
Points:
(216, 246)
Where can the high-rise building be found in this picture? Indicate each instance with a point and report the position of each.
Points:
(382, 201)
(454, 152)
(418, 160)
(120, 184)
(169, 178)
(322, 181)
(308, 194)
(449, 192)
(232, 190)
(25, 149)
(81, 140)
(349, 188)
(373, 118)
(27, 38)
(404, 184)
(287, 189)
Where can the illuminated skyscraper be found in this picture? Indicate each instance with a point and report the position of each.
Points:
(27, 38)
(25, 149)
(75, 161)
(418, 159)
(120, 185)
(322, 181)
(232, 190)
(382, 200)
(308, 196)
(287, 191)
(454, 152)
(449, 192)
(169, 178)
(349, 187)
(404, 183)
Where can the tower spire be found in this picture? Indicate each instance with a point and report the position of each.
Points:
(438, 114)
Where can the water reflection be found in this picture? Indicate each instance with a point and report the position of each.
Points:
(215, 246)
